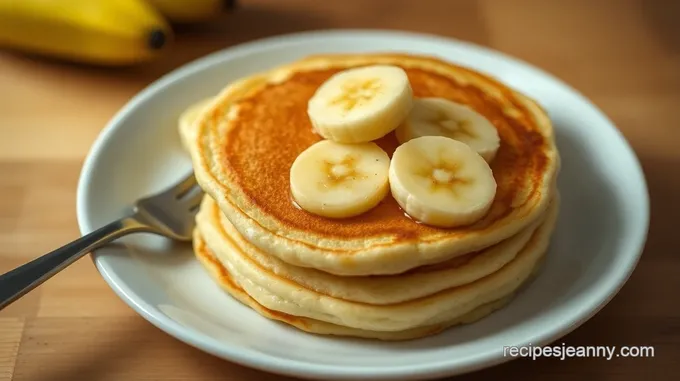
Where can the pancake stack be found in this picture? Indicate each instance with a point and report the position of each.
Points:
(379, 196)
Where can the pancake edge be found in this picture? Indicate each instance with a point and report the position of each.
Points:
(221, 277)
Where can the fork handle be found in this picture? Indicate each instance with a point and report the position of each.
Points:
(16, 283)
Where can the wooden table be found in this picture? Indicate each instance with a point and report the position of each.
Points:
(623, 54)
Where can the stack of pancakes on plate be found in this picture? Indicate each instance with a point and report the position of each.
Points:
(381, 273)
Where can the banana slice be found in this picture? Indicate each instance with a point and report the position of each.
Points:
(362, 104)
(442, 117)
(340, 180)
(441, 182)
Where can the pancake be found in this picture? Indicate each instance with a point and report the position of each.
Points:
(283, 295)
(187, 119)
(246, 141)
(222, 277)
(223, 239)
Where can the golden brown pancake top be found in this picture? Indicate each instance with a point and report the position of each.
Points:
(273, 128)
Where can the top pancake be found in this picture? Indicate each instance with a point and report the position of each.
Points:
(246, 141)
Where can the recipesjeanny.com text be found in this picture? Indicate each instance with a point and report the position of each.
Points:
(563, 351)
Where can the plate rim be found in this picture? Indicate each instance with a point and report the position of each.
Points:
(274, 364)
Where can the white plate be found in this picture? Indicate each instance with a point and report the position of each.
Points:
(601, 231)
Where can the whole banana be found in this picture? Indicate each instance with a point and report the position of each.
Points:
(108, 32)
(189, 11)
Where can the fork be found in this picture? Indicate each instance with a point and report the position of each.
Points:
(170, 213)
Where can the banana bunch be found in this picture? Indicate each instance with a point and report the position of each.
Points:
(439, 174)
(105, 32)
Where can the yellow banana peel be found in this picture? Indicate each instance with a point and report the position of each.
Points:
(108, 32)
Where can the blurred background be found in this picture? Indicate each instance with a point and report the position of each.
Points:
(55, 97)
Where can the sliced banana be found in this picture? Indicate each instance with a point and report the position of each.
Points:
(441, 182)
(338, 180)
(442, 117)
(362, 104)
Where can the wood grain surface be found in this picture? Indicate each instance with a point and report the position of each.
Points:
(622, 54)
